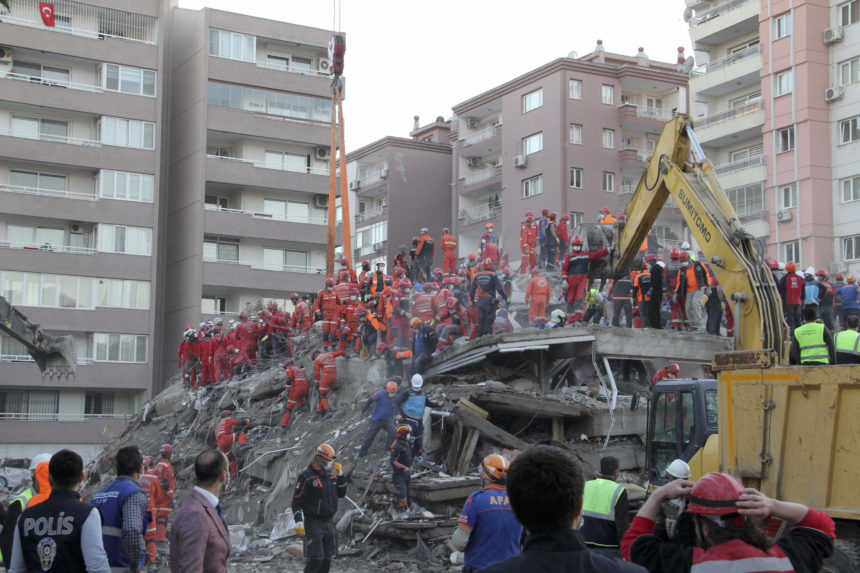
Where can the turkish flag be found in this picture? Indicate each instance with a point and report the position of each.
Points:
(46, 9)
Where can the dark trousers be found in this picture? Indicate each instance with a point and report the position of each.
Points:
(320, 545)
(593, 314)
(383, 424)
(792, 316)
(417, 430)
(715, 316)
(400, 480)
(652, 310)
(827, 317)
(622, 306)
(486, 315)
(551, 250)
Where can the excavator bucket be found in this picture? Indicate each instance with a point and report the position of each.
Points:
(56, 357)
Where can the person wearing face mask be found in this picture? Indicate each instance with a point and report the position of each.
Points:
(315, 503)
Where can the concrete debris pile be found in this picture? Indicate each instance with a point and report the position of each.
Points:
(477, 417)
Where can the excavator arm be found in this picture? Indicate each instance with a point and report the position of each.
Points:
(679, 168)
(55, 356)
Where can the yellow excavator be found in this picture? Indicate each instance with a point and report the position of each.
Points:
(54, 355)
(791, 431)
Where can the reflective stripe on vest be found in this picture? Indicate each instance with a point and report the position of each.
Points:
(810, 339)
(848, 342)
(600, 498)
(747, 565)
(24, 498)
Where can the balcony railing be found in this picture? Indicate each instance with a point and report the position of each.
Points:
(263, 165)
(81, 19)
(294, 69)
(371, 214)
(27, 358)
(739, 111)
(471, 216)
(371, 248)
(311, 220)
(48, 248)
(481, 135)
(714, 12)
(724, 168)
(371, 176)
(473, 177)
(281, 268)
(747, 52)
(60, 417)
(47, 192)
(53, 138)
(653, 113)
(54, 83)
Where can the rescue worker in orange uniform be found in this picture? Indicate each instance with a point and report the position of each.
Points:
(537, 296)
(449, 252)
(327, 307)
(151, 484)
(163, 470)
(528, 244)
(296, 390)
(325, 376)
(229, 431)
(302, 316)
(606, 217)
(670, 372)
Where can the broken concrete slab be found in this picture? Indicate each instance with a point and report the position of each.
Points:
(488, 430)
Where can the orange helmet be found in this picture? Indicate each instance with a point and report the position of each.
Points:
(415, 322)
(326, 452)
(715, 494)
(472, 256)
(495, 468)
(489, 225)
(391, 387)
(790, 267)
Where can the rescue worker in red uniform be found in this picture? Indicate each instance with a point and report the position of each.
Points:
(490, 251)
(346, 274)
(537, 297)
(528, 244)
(220, 359)
(575, 268)
(563, 237)
(325, 377)
(679, 303)
(296, 390)
(327, 307)
(670, 372)
(189, 358)
(302, 317)
(163, 470)
(422, 305)
(207, 371)
(449, 252)
(151, 484)
(229, 431)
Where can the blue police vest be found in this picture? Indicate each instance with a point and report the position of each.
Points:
(414, 406)
(109, 503)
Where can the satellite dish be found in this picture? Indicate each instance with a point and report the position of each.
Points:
(572, 54)
(688, 14)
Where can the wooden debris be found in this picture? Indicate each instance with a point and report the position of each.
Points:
(488, 430)
(467, 452)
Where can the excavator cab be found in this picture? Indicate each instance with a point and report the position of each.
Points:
(54, 355)
(681, 416)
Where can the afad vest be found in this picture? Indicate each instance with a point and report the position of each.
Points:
(109, 502)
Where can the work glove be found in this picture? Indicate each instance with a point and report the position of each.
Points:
(338, 468)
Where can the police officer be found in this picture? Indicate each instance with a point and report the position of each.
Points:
(122, 504)
(848, 342)
(16, 507)
(61, 534)
(604, 510)
(315, 502)
(487, 530)
(483, 291)
(811, 342)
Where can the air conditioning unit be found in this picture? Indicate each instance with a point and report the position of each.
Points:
(322, 153)
(783, 216)
(834, 93)
(354, 185)
(520, 161)
(324, 65)
(321, 201)
(473, 122)
(383, 173)
(5, 55)
(473, 162)
(833, 35)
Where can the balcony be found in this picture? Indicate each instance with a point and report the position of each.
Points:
(72, 260)
(479, 180)
(270, 76)
(741, 173)
(633, 160)
(95, 375)
(368, 177)
(729, 74)
(66, 139)
(642, 119)
(727, 20)
(738, 124)
(238, 171)
(484, 142)
(472, 215)
(42, 192)
(49, 248)
(271, 126)
(370, 215)
(237, 274)
(371, 249)
(240, 223)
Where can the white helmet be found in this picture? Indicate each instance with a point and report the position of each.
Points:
(678, 469)
(661, 264)
(685, 246)
(558, 315)
(781, 266)
(38, 460)
(810, 270)
(417, 381)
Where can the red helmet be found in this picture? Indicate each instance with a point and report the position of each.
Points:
(165, 449)
(495, 468)
(565, 217)
(472, 256)
(451, 302)
(288, 362)
(685, 256)
(621, 216)
(391, 387)
(225, 413)
(402, 431)
(329, 282)
(673, 368)
(405, 283)
(605, 210)
(326, 452)
(445, 230)
(675, 254)
(243, 315)
(147, 461)
(414, 239)
(714, 282)
(552, 215)
(488, 226)
(544, 212)
(343, 261)
(715, 494)
(840, 277)
(790, 267)
(821, 273)
(576, 240)
(650, 258)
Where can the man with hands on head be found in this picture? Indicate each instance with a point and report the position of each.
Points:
(723, 517)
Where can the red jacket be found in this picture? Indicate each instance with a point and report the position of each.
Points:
(163, 470)
(422, 306)
(327, 304)
(793, 288)
(449, 242)
(325, 365)
(528, 235)
(538, 289)
(294, 373)
(563, 234)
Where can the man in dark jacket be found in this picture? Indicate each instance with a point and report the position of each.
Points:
(545, 487)
(483, 291)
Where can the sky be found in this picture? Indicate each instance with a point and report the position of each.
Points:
(414, 57)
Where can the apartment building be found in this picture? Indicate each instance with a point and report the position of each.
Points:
(571, 136)
(398, 185)
(249, 166)
(777, 111)
(81, 138)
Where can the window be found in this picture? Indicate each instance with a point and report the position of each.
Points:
(849, 72)
(576, 133)
(608, 138)
(628, 185)
(849, 13)
(127, 132)
(40, 73)
(688, 418)
(574, 88)
(782, 26)
(41, 181)
(40, 129)
(32, 404)
(221, 250)
(298, 211)
(576, 177)
(850, 189)
(127, 79)
(576, 218)
(784, 81)
(532, 100)
(788, 196)
(120, 347)
(851, 248)
(607, 94)
(278, 63)
(99, 404)
(118, 293)
(609, 181)
(785, 139)
(745, 100)
(849, 130)
(532, 186)
(287, 260)
(126, 186)
(301, 64)
(275, 209)
(125, 240)
(791, 251)
(232, 45)
(746, 154)
(287, 161)
(213, 305)
(748, 200)
(742, 48)
(269, 101)
(66, 291)
(533, 143)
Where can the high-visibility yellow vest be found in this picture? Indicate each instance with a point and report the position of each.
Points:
(848, 342)
(810, 339)
(600, 498)
(24, 498)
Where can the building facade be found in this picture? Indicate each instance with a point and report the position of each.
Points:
(81, 147)
(776, 109)
(397, 186)
(572, 136)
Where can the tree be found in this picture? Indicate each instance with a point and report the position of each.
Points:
(5, 4)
